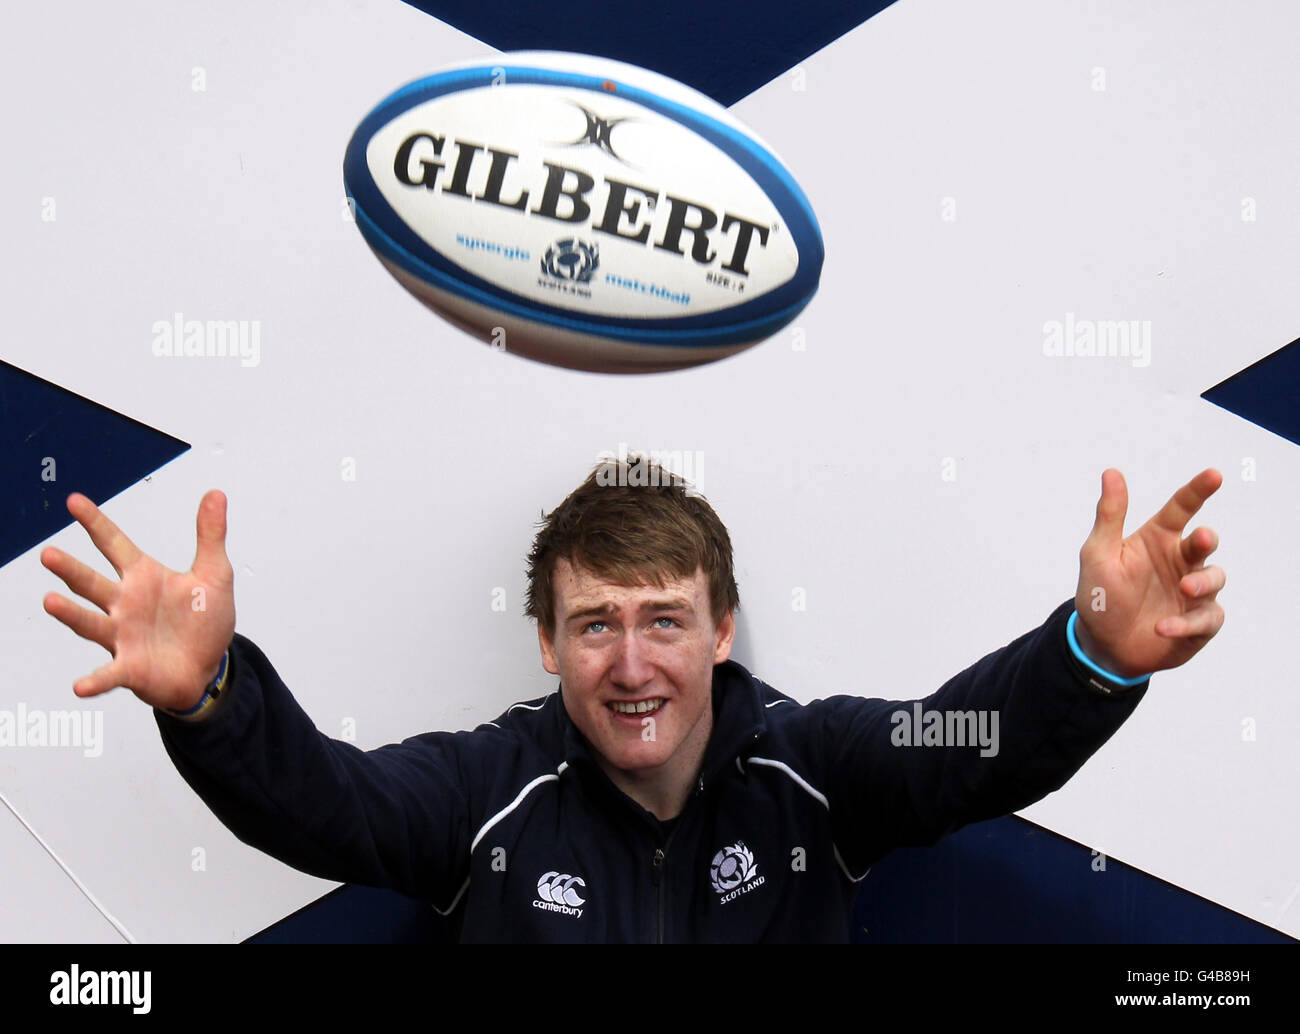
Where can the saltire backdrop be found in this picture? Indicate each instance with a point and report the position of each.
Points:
(916, 461)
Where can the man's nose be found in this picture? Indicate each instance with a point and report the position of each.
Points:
(632, 667)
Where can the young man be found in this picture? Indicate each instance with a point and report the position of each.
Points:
(662, 793)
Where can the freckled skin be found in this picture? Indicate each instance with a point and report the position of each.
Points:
(647, 643)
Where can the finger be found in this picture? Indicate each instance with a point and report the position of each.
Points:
(1199, 545)
(1204, 621)
(82, 579)
(98, 628)
(1108, 529)
(1205, 582)
(210, 555)
(107, 536)
(99, 681)
(1184, 503)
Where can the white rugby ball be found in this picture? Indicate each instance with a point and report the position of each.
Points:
(583, 212)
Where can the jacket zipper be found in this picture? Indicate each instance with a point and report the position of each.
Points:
(658, 864)
(661, 855)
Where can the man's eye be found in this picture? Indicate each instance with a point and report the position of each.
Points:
(593, 625)
(669, 620)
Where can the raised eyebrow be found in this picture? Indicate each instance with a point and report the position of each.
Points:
(668, 603)
(672, 603)
(589, 612)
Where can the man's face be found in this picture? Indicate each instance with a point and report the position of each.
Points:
(636, 666)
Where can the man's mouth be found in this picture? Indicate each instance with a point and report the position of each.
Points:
(636, 707)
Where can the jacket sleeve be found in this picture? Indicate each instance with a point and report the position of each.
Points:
(394, 817)
(893, 781)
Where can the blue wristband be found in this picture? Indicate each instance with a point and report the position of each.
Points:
(210, 695)
(1078, 652)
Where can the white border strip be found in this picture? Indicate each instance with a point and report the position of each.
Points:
(71, 875)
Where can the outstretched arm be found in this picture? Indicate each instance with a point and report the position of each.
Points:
(1154, 608)
(393, 817)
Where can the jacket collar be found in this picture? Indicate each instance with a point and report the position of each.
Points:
(738, 718)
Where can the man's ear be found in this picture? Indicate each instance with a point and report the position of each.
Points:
(726, 634)
(549, 661)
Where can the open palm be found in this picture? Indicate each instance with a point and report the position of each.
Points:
(1147, 602)
(166, 630)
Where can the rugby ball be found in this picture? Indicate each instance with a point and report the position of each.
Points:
(583, 212)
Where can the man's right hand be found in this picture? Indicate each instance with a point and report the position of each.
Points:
(166, 630)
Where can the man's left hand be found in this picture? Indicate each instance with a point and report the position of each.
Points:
(1147, 602)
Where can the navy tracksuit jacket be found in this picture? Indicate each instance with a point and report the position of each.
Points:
(514, 831)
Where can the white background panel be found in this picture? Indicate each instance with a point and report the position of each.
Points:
(373, 598)
(40, 902)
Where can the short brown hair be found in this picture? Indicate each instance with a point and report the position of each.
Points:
(632, 522)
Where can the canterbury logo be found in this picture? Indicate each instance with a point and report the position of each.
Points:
(558, 892)
(734, 872)
(558, 888)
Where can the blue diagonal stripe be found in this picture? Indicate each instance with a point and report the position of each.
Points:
(724, 50)
(1266, 393)
(54, 443)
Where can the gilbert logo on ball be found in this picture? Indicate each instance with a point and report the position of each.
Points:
(586, 213)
